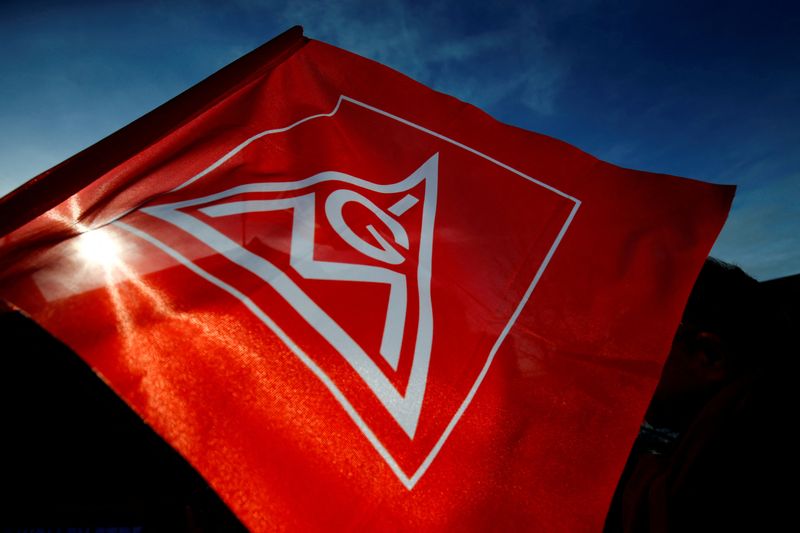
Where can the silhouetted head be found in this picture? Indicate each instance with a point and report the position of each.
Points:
(720, 338)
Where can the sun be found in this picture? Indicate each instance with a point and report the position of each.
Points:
(98, 247)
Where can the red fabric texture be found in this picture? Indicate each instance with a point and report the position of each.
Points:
(547, 283)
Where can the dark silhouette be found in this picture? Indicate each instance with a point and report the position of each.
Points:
(705, 458)
(74, 455)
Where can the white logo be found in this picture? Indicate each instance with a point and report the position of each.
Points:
(392, 256)
(404, 408)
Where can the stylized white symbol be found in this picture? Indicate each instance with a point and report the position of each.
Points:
(404, 408)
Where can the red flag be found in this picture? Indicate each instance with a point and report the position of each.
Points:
(353, 302)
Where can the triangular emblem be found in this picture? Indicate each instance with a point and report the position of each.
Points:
(381, 251)
(373, 249)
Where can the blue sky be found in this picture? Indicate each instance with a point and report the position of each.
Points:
(704, 90)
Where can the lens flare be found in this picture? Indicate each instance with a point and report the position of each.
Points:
(99, 248)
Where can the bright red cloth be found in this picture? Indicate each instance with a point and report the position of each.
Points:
(353, 302)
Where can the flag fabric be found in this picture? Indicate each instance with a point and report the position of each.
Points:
(352, 302)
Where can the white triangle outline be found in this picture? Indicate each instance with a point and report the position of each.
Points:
(404, 409)
(408, 480)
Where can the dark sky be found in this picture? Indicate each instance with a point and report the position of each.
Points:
(707, 90)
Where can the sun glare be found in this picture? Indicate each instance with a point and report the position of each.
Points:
(99, 248)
